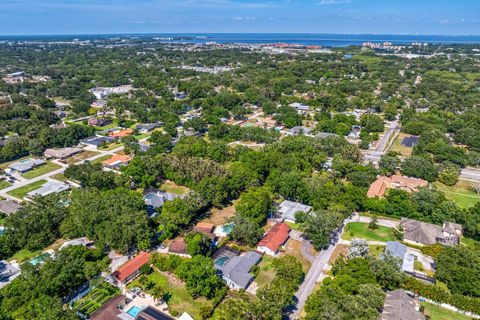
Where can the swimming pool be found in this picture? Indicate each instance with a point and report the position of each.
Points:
(40, 258)
(221, 261)
(2, 230)
(134, 311)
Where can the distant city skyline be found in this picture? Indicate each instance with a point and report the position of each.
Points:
(428, 17)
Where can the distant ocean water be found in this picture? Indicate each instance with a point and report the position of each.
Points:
(327, 40)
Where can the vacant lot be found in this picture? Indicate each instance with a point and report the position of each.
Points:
(438, 313)
(461, 193)
(376, 250)
(41, 170)
(180, 300)
(22, 191)
(397, 145)
(81, 156)
(294, 248)
(340, 250)
(361, 230)
(172, 187)
(60, 177)
(220, 216)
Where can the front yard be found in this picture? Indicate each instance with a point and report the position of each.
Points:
(461, 193)
(172, 187)
(4, 184)
(22, 191)
(41, 170)
(361, 230)
(438, 313)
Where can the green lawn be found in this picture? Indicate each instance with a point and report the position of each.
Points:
(172, 187)
(469, 242)
(60, 177)
(41, 170)
(461, 193)
(180, 300)
(4, 184)
(438, 313)
(397, 145)
(360, 230)
(111, 146)
(22, 191)
(102, 158)
(266, 273)
(24, 255)
(376, 250)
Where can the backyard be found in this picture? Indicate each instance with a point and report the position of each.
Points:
(95, 298)
(172, 187)
(461, 193)
(294, 248)
(81, 156)
(361, 230)
(402, 149)
(438, 313)
(41, 170)
(22, 191)
(180, 300)
(266, 273)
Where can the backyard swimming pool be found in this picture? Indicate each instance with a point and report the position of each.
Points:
(40, 258)
(134, 311)
(221, 261)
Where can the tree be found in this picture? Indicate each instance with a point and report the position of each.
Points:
(200, 277)
(198, 243)
(320, 226)
(358, 248)
(449, 174)
(388, 164)
(245, 231)
(419, 167)
(373, 224)
(254, 204)
(372, 123)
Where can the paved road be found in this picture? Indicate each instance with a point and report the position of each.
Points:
(48, 175)
(375, 155)
(381, 221)
(470, 174)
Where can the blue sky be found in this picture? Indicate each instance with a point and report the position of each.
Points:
(19, 17)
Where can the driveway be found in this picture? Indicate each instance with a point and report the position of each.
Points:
(390, 223)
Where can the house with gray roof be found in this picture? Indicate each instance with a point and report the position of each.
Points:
(147, 127)
(8, 272)
(25, 165)
(48, 188)
(423, 233)
(8, 207)
(287, 209)
(96, 141)
(399, 305)
(324, 135)
(156, 198)
(236, 270)
(299, 130)
(399, 250)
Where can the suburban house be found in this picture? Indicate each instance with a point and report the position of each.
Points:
(111, 309)
(25, 165)
(423, 233)
(131, 269)
(103, 92)
(48, 188)
(156, 198)
(116, 161)
(8, 272)
(96, 141)
(287, 209)
(120, 133)
(299, 130)
(324, 135)
(274, 239)
(180, 95)
(62, 153)
(205, 228)
(151, 313)
(147, 127)
(235, 269)
(83, 241)
(399, 305)
(383, 183)
(399, 250)
(99, 122)
(299, 106)
(178, 247)
(8, 207)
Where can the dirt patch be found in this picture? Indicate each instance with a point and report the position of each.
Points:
(340, 250)
(220, 216)
(294, 248)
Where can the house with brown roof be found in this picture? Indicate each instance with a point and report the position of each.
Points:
(423, 233)
(110, 309)
(383, 183)
(205, 228)
(274, 239)
(131, 269)
(120, 133)
(178, 247)
(116, 161)
(61, 153)
(99, 122)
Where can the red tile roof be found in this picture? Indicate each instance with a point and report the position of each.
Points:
(380, 186)
(275, 237)
(121, 133)
(129, 268)
(204, 227)
(117, 158)
(178, 246)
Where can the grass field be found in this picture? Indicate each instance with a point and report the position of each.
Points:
(111, 146)
(398, 147)
(60, 177)
(461, 193)
(180, 300)
(24, 254)
(172, 187)
(4, 184)
(266, 272)
(438, 313)
(360, 230)
(102, 158)
(376, 250)
(22, 191)
(41, 170)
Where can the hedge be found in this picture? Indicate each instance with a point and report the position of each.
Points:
(441, 295)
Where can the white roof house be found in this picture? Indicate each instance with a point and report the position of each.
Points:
(48, 188)
(25, 165)
(287, 209)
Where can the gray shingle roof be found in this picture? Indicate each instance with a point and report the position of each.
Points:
(400, 306)
(9, 207)
(288, 209)
(25, 165)
(48, 188)
(237, 269)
